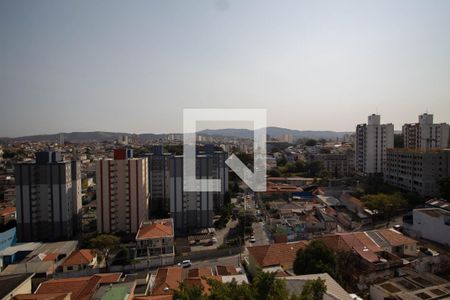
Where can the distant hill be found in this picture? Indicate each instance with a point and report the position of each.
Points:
(275, 132)
(99, 136)
(72, 136)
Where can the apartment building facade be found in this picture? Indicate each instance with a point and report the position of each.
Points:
(417, 170)
(159, 178)
(195, 210)
(425, 134)
(336, 165)
(372, 140)
(122, 192)
(48, 199)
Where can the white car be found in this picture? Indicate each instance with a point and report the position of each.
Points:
(185, 263)
(214, 239)
(252, 239)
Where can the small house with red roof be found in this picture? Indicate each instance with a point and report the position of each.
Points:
(79, 260)
(155, 238)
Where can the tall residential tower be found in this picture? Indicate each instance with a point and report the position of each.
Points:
(122, 192)
(372, 140)
(48, 198)
(195, 210)
(425, 135)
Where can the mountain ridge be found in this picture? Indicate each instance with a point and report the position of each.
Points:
(85, 136)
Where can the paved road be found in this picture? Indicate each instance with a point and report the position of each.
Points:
(260, 235)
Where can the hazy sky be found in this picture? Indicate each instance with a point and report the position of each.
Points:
(133, 66)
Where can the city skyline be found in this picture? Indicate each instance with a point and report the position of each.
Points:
(84, 66)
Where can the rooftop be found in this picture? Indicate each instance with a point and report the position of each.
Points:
(282, 254)
(155, 229)
(434, 212)
(413, 285)
(79, 257)
(54, 296)
(115, 291)
(367, 243)
(440, 203)
(166, 280)
(295, 284)
(81, 287)
(10, 282)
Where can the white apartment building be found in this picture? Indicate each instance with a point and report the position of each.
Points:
(48, 198)
(122, 192)
(425, 135)
(372, 140)
(417, 170)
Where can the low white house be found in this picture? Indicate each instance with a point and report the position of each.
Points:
(431, 224)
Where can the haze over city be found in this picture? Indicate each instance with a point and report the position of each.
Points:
(133, 67)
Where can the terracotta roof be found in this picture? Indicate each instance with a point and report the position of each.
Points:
(155, 229)
(360, 248)
(367, 241)
(226, 270)
(282, 254)
(202, 282)
(199, 272)
(7, 210)
(335, 242)
(395, 238)
(156, 297)
(80, 287)
(79, 257)
(167, 278)
(54, 296)
(50, 257)
(364, 244)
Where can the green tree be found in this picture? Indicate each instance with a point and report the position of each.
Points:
(123, 257)
(274, 173)
(230, 291)
(281, 161)
(386, 204)
(315, 258)
(314, 168)
(189, 292)
(310, 143)
(300, 166)
(268, 287)
(347, 266)
(313, 290)
(104, 244)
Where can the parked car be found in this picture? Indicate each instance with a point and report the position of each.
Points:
(252, 239)
(185, 263)
(214, 239)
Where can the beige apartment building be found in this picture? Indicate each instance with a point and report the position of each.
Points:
(122, 192)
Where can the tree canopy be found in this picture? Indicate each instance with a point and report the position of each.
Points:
(311, 143)
(316, 257)
(265, 286)
(104, 244)
(388, 204)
